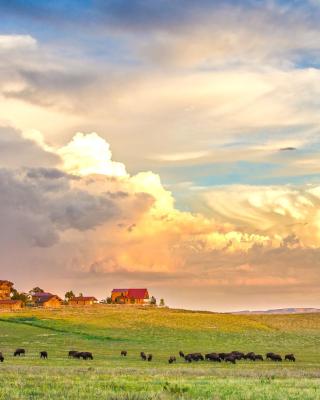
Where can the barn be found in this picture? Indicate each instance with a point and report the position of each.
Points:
(82, 301)
(11, 304)
(46, 300)
(129, 296)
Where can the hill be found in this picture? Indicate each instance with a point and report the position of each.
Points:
(106, 330)
(301, 310)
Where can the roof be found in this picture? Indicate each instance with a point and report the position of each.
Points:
(85, 298)
(120, 290)
(44, 297)
(10, 301)
(137, 293)
(42, 294)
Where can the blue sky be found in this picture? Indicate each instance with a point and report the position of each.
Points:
(206, 144)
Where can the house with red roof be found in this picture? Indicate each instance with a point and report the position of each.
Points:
(130, 296)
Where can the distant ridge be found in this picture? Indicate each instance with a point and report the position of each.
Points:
(281, 311)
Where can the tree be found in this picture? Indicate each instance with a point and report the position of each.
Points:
(24, 297)
(35, 290)
(161, 304)
(69, 295)
(80, 294)
(153, 301)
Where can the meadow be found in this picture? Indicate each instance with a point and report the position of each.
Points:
(106, 330)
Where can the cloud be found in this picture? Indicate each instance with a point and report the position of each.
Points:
(11, 42)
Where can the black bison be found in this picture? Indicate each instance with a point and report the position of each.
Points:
(274, 357)
(222, 355)
(213, 357)
(86, 355)
(1, 357)
(143, 356)
(258, 357)
(230, 358)
(181, 354)
(172, 359)
(72, 353)
(250, 356)
(290, 357)
(19, 352)
(238, 355)
(43, 354)
(124, 353)
(188, 358)
(149, 357)
(196, 356)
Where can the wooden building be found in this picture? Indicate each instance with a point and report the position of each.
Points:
(82, 301)
(46, 300)
(129, 296)
(11, 304)
(5, 290)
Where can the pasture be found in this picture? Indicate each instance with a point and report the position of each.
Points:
(106, 330)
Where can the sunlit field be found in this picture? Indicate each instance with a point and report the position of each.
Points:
(106, 330)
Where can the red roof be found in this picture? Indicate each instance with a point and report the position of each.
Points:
(138, 293)
(84, 298)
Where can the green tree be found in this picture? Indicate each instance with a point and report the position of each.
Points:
(153, 301)
(15, 295)
(35, 290)
(69, 295)
(161, 304)
(80, 294)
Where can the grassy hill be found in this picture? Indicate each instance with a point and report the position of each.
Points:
(106, 330)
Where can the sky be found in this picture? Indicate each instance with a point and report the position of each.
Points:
(167, 144)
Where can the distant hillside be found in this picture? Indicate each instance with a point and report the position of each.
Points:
(281, 311)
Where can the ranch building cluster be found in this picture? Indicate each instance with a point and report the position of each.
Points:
(129, 296)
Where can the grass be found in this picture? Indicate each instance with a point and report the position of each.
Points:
(106, 330)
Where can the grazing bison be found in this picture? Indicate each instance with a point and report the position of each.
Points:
(230, 358)
(19, 352)
(1, 357)
(269, 355)
(196, 356)
(149, 357)
(143, 356)
(290, 357)
(188, 358)
(213, 357)
(250, 356)
(238, 355)
(258, 357)
(72, 353)
(43, 354)
(181, 354)
(222, 355)
(86, 355)
(275, 357)
(172, 359)
(124, 353)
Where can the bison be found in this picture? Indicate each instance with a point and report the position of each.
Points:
(258, 357)
(172, 359)
(290, 357)
(1, 357)
(86, 355)
(230, 358)
(43, 354)
(149, 357)
(124, 353)
(19, 352)
(188, 358)
(143, 356)
(181, 354)
(275, 357)
(213, 357)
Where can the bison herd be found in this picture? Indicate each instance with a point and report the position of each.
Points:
(232, 357)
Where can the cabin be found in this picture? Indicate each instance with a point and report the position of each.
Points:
(82, 301)
(11, 305)
(46, 300)
(5, 290)
(129, 296)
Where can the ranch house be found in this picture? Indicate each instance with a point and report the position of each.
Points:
(46, 300)
(83, 301)
(129, 296)
(5, 290)
(10, 304)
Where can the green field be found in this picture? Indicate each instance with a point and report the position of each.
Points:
(106, 330)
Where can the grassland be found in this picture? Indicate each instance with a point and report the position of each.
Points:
(106, 330)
